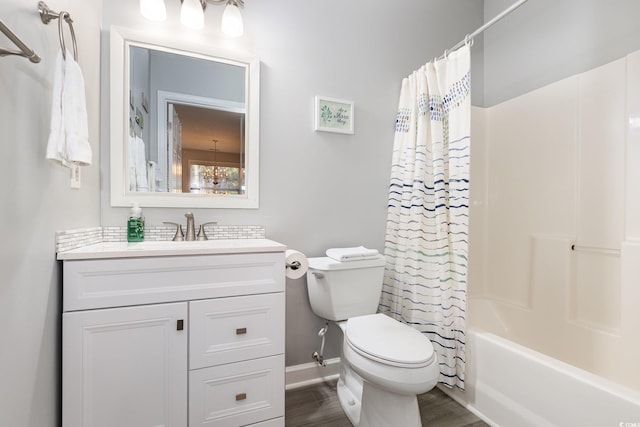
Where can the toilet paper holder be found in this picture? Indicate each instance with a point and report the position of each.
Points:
(293, 265)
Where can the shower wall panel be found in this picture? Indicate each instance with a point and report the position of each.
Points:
(478, 243)
(532, 169)
(562, 171)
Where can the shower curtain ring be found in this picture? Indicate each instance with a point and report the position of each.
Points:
(468, 40)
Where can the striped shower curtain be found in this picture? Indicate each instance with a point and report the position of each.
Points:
(427, 221)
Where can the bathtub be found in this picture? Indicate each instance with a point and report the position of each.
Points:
(511, 385)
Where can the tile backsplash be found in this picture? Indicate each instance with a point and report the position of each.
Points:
(72, 239)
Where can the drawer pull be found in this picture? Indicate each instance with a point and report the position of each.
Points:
(180, 325)
(241, 396)
(241, 331)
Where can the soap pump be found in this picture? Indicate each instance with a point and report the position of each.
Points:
(135, 224)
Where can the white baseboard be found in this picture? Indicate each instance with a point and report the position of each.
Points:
(469, 407)
(310, 373)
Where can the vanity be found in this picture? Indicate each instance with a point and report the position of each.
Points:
(174, 334)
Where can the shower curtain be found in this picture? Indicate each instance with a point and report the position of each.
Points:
(426, 243)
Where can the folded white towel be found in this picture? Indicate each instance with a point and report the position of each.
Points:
(352, 254)
(69, 135)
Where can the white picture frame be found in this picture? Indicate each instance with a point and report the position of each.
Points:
(333, 115)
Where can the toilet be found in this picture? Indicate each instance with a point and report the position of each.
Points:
(385, 364)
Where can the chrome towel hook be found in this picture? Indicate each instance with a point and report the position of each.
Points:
(47, 15)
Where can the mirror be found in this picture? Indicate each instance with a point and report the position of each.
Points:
(184, 124)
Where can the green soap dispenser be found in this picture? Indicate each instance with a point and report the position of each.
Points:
(135, 224)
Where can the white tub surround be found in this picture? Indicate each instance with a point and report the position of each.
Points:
(555, 221)
(174, 333)
(511, 385)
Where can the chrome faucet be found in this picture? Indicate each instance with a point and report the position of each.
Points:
(191, 229)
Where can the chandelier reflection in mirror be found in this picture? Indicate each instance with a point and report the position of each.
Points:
(214, 178)
(192, 14)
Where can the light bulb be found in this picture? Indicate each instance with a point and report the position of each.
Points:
(153, 10)
(232, 24)
(191, 14)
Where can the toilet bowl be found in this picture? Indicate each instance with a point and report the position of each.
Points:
(385, 364)
(395, 362)
(390, 354)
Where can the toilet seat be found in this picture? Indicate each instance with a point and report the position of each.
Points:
(385, 340)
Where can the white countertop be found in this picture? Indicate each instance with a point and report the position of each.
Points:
(163, 248)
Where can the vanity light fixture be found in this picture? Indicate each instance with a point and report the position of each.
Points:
(232, 24)
(192, 14)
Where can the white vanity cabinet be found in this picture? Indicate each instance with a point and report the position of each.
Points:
(174, 341)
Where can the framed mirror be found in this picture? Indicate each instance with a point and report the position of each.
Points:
(184, 124)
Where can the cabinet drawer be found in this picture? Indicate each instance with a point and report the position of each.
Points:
(226, 330)
(104, 283)
(237, 394)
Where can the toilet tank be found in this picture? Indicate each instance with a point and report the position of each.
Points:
(340, 290)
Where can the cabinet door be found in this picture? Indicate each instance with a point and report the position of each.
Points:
(125, 367)
(227, 330)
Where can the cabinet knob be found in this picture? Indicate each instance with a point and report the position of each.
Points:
(241, 331)
(180, 324)
(241, 396)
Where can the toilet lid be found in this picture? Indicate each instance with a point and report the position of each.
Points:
(389, 341)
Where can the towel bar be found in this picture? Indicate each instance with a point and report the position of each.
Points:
(24, 51)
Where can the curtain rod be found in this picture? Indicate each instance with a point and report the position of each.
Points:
(469, 37)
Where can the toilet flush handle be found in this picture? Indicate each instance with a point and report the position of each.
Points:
(318, 275)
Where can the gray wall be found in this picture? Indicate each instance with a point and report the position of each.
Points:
(317, 190)
(36, 200)
(547, 40)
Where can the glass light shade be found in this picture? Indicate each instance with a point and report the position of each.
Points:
(192, 14)
(153, 10)
(232, 24)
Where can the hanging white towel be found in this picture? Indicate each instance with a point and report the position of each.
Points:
(141, 165)
(56, 144)
(69, 136)
(352, 254)
(75, 114)
(131, 157)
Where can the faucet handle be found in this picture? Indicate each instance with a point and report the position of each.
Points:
(179, 236)
(201, 234)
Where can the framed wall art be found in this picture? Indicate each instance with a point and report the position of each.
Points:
(333, 115)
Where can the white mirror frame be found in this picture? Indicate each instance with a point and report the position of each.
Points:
(120, 39)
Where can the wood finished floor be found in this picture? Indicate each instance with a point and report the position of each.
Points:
(318, 406)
